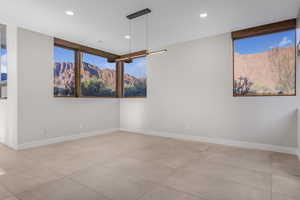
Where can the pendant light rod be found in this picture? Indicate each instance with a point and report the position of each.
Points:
(143, 53)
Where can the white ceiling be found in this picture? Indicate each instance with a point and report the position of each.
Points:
(171, 21)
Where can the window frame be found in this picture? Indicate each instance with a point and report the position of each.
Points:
(79, 50)
(122, 80)
(277, 27)
(75, 57)
(79, 77)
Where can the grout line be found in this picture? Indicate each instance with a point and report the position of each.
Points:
(90, 188)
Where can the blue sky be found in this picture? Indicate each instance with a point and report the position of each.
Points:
(98, 61)
(63, 55)
(3, 63)
(67, 55)
(137, 68)
(264, 43)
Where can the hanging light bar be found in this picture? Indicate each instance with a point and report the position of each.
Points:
(157, 52)
(139, 55)
(139, 13)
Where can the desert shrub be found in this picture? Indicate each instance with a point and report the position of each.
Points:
(95, 88)
(139, 89)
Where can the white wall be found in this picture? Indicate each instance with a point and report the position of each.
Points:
(3, 119)
(11, 136)
(40, 115)
(298, 131)
(298, 64)
(190, 94)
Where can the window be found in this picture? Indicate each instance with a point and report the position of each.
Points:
(135, 79)
(64, 72)
(265, 64)
(3, 62)
(81, 71)
(97, 76)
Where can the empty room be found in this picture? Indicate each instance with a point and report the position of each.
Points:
(149, 100)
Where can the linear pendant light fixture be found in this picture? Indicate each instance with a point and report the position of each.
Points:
(139, 54)
(145, 53)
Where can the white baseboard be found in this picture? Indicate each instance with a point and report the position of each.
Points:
(64, 139)
(241, 144)
(248, 145)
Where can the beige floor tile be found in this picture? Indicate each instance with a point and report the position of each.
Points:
(69, 166)
(173, 160)
(196, 146)
(63, 189)
(285, 169)
(209, 187)
(147, 154)
(3, 147)
(124, 166)
(164, 193)
(115, 187)
(45, 154)
(18, 165)
(118, 142)
(252, 164)
(289, 186)
(285, 164)
(250, 154)
(141, 169)
(176, 147)
(11, 198)
(26, 180)
(13, 161)
(170, 149)
(285, 158)
(228, 172)
(277, 196)
(99, 170)
(4, 193)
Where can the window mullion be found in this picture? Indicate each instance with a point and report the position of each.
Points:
(77, 72)
(120, 75)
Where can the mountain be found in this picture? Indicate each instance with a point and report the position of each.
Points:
(64, 79)
(271, 71)
(106, 76)
(95, 81)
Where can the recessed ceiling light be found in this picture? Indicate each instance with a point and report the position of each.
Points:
(203, 15)
(128, 37)
(69, 12)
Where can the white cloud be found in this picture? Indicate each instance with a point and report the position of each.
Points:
(285, 41)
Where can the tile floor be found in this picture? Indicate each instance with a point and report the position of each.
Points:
(125, 166)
